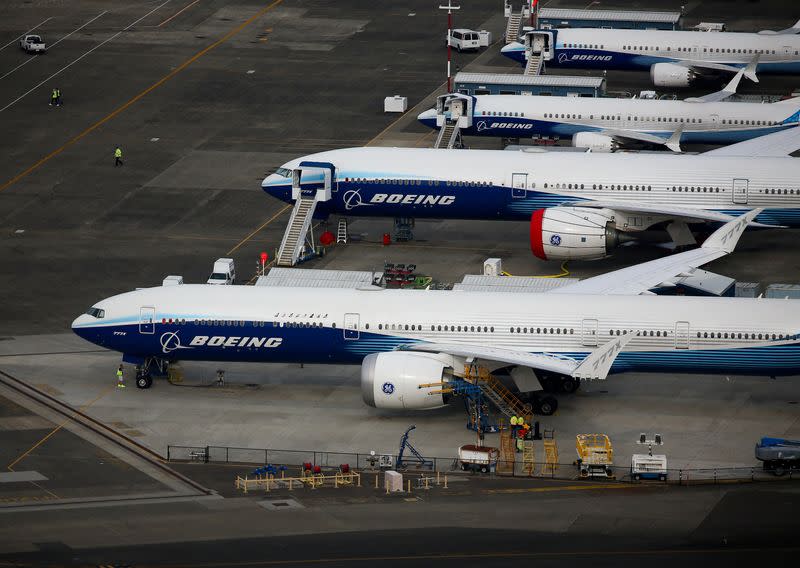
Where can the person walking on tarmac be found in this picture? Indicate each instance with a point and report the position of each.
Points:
(54, 97)
(59, 102)
(118, 157)
(120, 383)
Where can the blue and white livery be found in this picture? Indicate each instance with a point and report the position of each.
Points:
(673, 58)
(406, 340)
(591, 200)
(605, 124)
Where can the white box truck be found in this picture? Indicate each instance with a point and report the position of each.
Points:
(224, 272)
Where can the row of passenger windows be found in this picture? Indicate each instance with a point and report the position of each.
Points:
(584, 46)
(630, 118)
(740, 335)
(698, 189)
(484, 329)
(774, 191)
(613, 186)
(696, 49)
(447, 183)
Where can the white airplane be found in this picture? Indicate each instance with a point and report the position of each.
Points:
(407, 340)
(581, 205)
(605, 124)
(674, 58)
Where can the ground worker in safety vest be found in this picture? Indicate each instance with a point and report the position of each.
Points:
(118, 157)
(120, 383)
(54, 97)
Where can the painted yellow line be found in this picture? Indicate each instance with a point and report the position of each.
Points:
(558, 488)
(267, 222)
(178, 13)
(149, 89)
(57, 428)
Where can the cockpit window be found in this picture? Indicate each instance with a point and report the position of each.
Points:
(219, 276)
(283, 172)
(96, 313)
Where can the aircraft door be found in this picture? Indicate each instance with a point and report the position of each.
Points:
(715, 119)
(589, 332)
(147, 320)
(682, 335)
(739, 193)
(351, 326)
(456, 108)
(518, 185)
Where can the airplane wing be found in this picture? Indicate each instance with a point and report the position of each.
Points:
(673, 142)
(729, 89)
(795, 29)
(777, 144)
(684, 213)
(595, 366)
(639, 279)
(699, 66)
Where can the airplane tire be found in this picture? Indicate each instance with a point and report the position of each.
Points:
(144, 381)
(569, 385)
(546, 406)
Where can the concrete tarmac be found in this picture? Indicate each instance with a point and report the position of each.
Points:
(205, 98)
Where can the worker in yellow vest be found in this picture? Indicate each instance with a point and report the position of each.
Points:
(120, 384)
(118, 157)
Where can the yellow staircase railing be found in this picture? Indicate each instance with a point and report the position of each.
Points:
(505, 400)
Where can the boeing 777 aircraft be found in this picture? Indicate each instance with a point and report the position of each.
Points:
(581, 205)
(674, 58)
(605, 124)
(406, 340)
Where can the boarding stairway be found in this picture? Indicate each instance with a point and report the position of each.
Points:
(513, 26)
(534, 66)
(449, 136)
(506, 401)
(295, 235)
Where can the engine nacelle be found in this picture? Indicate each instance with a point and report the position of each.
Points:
(393, 379)
(568, 233)
(671, 75)
(595, 142)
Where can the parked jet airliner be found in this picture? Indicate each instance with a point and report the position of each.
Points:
(580, 204)
(674, 58)
(604, 124)
(405, 339)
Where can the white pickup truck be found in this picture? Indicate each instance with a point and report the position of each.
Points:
(33, 44)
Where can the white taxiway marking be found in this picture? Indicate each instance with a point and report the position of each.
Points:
(26, 33)
(53, 45)
(68, 65)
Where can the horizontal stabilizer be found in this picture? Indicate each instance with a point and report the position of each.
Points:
(777, 144)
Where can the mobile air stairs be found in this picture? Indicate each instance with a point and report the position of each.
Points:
(538, 51)
(515, 20)
(454, 113)
(312, 183)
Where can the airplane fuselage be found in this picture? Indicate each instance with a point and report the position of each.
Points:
(513, 116)
(641, 49)
(313, 325)
(511, 185)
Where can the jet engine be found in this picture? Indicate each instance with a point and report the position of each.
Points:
(671, 75)
(394, 379)
(573, 233)
(595, 142)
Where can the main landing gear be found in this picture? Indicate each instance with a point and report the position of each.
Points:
(544, 403)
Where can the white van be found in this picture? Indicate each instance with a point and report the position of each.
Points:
(224, 272)
(462, 39)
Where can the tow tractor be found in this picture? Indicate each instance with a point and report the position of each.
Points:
(778, 455)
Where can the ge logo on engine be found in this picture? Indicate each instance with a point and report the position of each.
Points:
(388, 388)
(555, 240)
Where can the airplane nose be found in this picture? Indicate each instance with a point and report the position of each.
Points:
(511, 47)
(427, 116)
(271, 179)
(81, 321)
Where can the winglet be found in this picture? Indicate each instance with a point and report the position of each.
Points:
(598, 363)
(726, 237)
(750, 70)
(674, 141)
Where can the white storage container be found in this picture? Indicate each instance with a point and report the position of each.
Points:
(493, 267)
(393, 481)
(395, 104)
(485, 38)
(172, 280)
